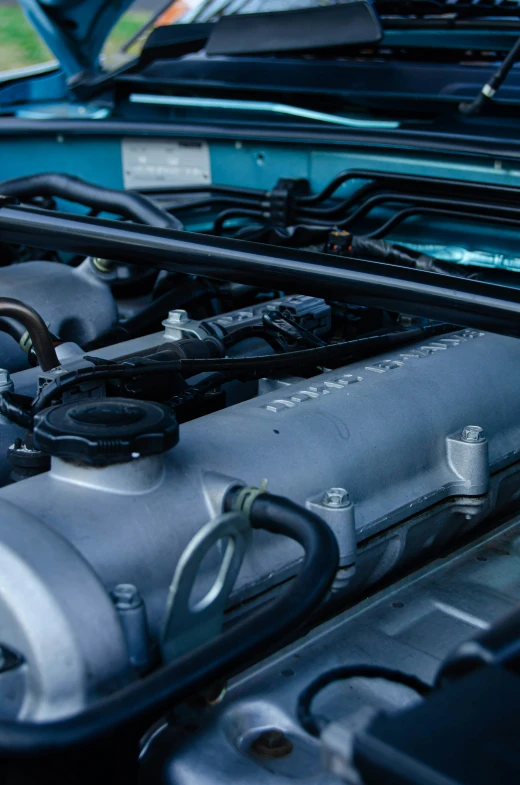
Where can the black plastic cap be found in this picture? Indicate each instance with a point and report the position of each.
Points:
(105, 431)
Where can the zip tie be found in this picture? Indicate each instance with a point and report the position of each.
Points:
(246, 497)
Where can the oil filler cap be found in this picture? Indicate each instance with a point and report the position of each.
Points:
(105, 431)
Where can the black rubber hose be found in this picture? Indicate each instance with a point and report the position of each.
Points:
(334, 210)
(314, 725)
(12, 328)
(249, 640)
(215, 201)
(227, 215)
(248, 193)
(428, 185)
(412, 212)
(127, 204)
(481, 209)
(37, 329)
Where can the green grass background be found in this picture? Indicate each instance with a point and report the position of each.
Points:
(20, 45)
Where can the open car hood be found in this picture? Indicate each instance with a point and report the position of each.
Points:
(75, 30)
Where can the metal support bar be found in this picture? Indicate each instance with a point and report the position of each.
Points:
(458, 301)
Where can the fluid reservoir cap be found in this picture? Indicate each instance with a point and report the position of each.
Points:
(104, 431)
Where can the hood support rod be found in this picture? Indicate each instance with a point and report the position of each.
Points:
(441, 297)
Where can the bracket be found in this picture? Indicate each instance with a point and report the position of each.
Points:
(189, 624)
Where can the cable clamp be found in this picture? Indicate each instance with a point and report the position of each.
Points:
(282, 201)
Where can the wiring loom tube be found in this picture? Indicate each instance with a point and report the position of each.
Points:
(128, 204)
(230, 651)
(346, 351)
(462, 301)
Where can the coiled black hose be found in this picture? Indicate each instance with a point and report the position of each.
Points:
(127, 204)
(314, 724)
(249, 640)
(38, 332)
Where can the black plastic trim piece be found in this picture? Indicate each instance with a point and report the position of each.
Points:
(347, 24)
(425, 141)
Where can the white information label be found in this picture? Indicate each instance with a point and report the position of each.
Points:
(157, 163)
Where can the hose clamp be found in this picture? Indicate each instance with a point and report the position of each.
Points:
(246, 497)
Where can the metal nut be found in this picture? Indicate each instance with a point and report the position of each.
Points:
(473, 433)
(336, 497)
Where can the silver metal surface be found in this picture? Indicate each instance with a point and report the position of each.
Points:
(132, 616)
(411, 626)
(6, 383)
(190, 619)
(388, 429)
(468, 458)
(393, 438)
(335, 508)
(57, 615)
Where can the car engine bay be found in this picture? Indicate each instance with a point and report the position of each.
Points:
(250, 436)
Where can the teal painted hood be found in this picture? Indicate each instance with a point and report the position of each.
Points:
(75, 30)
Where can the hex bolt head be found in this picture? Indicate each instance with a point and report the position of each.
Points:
(102, 265)
(6, 383)
(126, 596)
(335, 497)
(178, 316)
(473, 433)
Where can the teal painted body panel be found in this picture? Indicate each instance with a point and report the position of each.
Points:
(259, 165)
(249, 164)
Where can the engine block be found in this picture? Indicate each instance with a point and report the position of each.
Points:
(398, 454)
